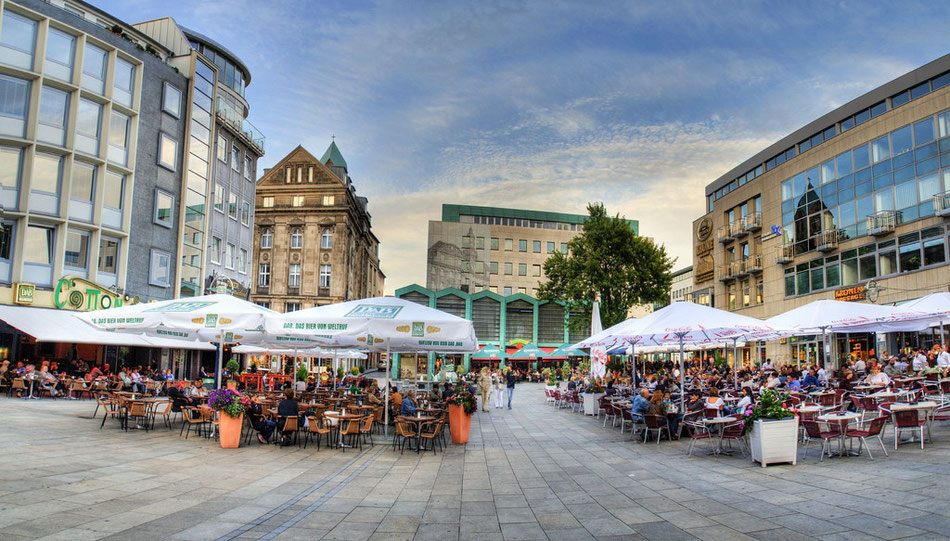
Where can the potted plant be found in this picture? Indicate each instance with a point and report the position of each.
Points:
(549, 380)
(340, 373)
(772, 429)
(230, 406)
(302, 373)
(462, 405)
(592, 395)
(355, 371)
(233, 368)
(361, 369)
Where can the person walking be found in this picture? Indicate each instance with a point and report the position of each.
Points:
(498, 388)
(510, 380)
(484, 387)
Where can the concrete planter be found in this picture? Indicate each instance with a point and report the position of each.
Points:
(774, 441)
(591, 403)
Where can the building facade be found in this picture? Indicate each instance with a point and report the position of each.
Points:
(496, 249)
(682, 287)
(313, 242)
(852, 206)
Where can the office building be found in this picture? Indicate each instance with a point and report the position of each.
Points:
(496, 249)
(852, 206)
(313, 242)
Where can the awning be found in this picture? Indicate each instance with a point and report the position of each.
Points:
(48, 325)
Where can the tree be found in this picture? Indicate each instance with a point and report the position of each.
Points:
(607, 259)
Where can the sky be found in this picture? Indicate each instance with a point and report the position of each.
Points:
(548, 105)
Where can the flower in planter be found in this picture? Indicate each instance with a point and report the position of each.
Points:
(231, 403)
(771, 405)
(464, 398)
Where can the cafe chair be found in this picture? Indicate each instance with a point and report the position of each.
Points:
(163, 409)
(366, 428)
(655, 424)
(813, 432)
(905, 420)
(874, 429)
(352, 429)
(404, 434)
(289, 429)
(429, 432)
(317, 428)
(697, 431)
(733, 432)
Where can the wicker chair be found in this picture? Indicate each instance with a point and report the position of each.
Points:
(404, 434)
(317, 428)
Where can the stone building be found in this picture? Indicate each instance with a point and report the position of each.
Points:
(313, 242)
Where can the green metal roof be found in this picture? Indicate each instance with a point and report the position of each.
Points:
(333, 156)
(451, 213)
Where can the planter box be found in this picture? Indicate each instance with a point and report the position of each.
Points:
(591, 402)
(774, 441)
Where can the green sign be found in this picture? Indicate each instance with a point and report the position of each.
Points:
(418, 329)
(374, 311)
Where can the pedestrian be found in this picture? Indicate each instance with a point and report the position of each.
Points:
(484, 387)
(510, 380)
(498, 388)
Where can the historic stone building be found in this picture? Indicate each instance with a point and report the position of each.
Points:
(313, 241)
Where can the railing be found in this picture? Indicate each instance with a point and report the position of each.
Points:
(786, 255)
(724, 234)
(752, 222)
(752, 264)
(737, 228)
(727, 272)
(883, 223)
(942, 204)
(236, 120)
(827, 241)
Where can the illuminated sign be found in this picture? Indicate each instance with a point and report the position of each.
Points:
(856, 293)
(74, 293)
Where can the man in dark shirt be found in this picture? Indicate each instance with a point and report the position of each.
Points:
(510, 380)
(448, 391)
(287, 407)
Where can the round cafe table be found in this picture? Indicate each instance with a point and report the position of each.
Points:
(335, 419)
(924, 408)
(417, 422)
(841, 420)
(717, 423)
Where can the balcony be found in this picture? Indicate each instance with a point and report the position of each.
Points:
(724, 234)
(739, 268)
(752, 222)
(727, 272)
(235, 120)
(786, 255)
(942, 204)
(752, 264)
(827, 241)
(883, 223)
(737, 229)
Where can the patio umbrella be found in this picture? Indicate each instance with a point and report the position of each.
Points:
(490, 353)
(528, 351)
(379, 324)
(598, 353)
(915, 315)
(223, 319)
(564, 352)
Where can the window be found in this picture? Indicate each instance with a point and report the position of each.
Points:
(171, 100)
(466, 242)
(235, 157)
(326, 239)
(493, 267)
(291, 306)
(328, 200)
(535, 270)
(267, 202)
(82, 189)
(551, 247)
(215, 250)
(232, 206)
(324, 276)
(494, 243)
(522, 269)
(60, 52)
(480, 243)
(38, 260)
(108, 260)
(222, 150)
(219, 194)
(287, 175)
(509, 245)
(77, 251)
(124, 82)
(10, 170)
(159, 271)
(88, 122)
(167, 152)
(536, 246)
(299, 174)
(267, 238)
(54, 109)
(522, 290)
(242, 261)
(263, 275)
(164, 207)
(563, 247)
(229, 256)
(94, 65)
(248, 167)
(293, 279)
(14, 97)
(296, 238)
(297, 201)
(47, 180)
(119, 140)
(522, 245)
(310, 174)
(508, 267)
(507, 290)
(17, 40)
(245, 213)
(113, 198)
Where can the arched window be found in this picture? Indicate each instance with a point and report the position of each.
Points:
(296, 238)
(267, 238)
(326, 239)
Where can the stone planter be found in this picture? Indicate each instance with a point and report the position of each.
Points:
(229, 429)
(592, 403)
(773, 441)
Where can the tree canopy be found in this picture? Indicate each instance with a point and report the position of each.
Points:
(610, 261)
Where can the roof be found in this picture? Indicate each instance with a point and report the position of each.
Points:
(451, 213)
(333, 156)
(198, 36)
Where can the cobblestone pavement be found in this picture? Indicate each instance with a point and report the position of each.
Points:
(530, 473)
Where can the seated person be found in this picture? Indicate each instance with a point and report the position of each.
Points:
(408, 407)
(287, 407)
(641, 405)
(794, 384)
(47, 381)
(810, 382)
(448, 391)
(877, 378)
(263, 426)
(195, 393)
(746, 399)
(713, 401)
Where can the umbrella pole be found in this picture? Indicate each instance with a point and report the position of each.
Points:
(682, 379)
(735, 363)
(386, 402)
(217, 369)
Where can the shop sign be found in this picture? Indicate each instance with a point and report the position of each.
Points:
(24, 293)
(704, 267)
(74, 293)
(856, 293)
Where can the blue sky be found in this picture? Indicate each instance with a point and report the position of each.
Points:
(548, 105)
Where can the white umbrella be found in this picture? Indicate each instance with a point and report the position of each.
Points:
(208, 318)
(598, 353)
(379, 324)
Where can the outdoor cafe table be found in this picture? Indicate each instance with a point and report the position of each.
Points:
(841, 420)
(718, 422)
(335, 416)
(924, 408)
(809, 409)
(908, 381)
(417, 421)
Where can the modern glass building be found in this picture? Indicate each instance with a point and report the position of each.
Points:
(498, 320)
(852, 206)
